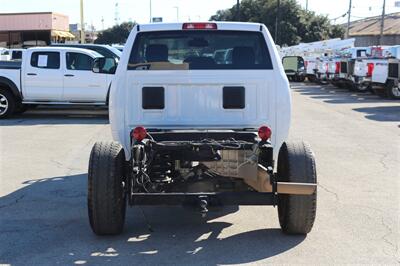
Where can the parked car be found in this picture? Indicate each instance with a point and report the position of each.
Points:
(371, 71)
(347, 63)
(392, 88)
(294, 68)
(310, 65)
(105, 50)
(185, 128)
(4, 54)
(54, 75)
(333, 72)
(322, 65)
(16, 54)
(119, 47)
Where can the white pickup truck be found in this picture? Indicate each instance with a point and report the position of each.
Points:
(54, 75)
(189, 128)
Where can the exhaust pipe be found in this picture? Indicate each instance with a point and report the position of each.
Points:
(258, 178)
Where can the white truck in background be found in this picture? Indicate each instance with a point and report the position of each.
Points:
(54, 75)
(371, 72)
(4, 54)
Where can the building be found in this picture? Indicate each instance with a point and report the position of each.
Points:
(367, 31)
(31, 29)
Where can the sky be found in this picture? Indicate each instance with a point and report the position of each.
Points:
(186, 10)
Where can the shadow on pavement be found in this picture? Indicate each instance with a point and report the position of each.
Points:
(334, 95)
(381, 113)
(45, 223)
(58, 116)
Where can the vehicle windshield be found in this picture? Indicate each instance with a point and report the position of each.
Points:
(183, 50)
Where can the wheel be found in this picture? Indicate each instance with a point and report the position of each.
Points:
(393, 91)
(311, 78)
(296, 212)
(106, 196)
(302, 78)
(362, 87)
(7, 103)
(21, 108)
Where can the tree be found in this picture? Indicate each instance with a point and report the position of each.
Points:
(295, 24)
(116, 34)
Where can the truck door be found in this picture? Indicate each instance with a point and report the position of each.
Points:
(43, 77)
(80, 83)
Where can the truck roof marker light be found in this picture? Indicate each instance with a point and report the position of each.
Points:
(139, 133)
(370, 67)
(199, 26)
(264, 133)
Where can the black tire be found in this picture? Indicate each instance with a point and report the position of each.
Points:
(302, 78)
(311, 78)
(362, 88)
(392, 91)
(21, 108)
(7, 103)
(106, 197)
(296, 212)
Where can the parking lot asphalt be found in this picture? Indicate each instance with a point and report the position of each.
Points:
(355, 138)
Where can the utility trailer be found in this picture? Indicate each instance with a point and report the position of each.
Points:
(187, 129)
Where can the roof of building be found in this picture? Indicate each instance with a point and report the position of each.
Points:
(372, 26)
(31, 13)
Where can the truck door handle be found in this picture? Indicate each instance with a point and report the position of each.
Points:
(31, 74)
(68, 75)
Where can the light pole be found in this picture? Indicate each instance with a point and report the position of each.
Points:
(238, 10)
(82, 25)
(382, 23)
(278, 7)
(177, 13)
(150, 13)
(348, 20)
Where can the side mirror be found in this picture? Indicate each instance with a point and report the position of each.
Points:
(98, 65)
(105, 65)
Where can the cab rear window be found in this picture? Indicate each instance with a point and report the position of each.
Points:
(202, 50)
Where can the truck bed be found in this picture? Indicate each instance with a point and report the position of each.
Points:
(10, 64)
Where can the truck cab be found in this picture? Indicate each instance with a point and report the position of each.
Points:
(53, 76)
(294, 68)
(192, 128)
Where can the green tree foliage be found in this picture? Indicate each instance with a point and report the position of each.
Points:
(116, 34)
(295, 24)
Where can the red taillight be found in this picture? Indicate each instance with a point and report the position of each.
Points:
(199, 26)
(305, 64)
(370, 67)
(264, 133)
(337, 69)
(326, 68)
(139, 133)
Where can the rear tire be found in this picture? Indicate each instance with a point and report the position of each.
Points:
(392, 91)
(311, 78)
(362, 88)
(106, 196)
(7, 103)
(296, 212)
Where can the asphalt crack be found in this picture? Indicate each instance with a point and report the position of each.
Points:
(329, 191)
